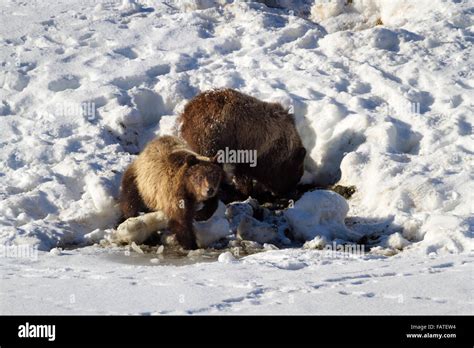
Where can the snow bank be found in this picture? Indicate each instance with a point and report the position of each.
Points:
(386, 109)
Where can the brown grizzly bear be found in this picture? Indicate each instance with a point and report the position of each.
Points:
(167, 176)
(222, 119)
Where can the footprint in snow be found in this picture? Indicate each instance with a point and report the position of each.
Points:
(63, 83)
(291, 266)
(444, 265)
(127, 52)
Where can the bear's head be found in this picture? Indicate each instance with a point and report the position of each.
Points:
(203, 178)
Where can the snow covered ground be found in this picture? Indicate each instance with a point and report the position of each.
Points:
(94, 281)
(382, 95)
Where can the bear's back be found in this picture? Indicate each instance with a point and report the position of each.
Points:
(223, 118)
(158, 176)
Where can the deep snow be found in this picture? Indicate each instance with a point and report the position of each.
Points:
(386, 108)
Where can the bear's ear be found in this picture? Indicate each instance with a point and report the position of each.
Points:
(215, 160)
(181, 158)
(300, 154)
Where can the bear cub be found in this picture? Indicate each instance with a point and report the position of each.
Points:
(169, 177)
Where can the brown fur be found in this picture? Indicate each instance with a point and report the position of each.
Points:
(217, 119)
(167, 176)
(131, 203)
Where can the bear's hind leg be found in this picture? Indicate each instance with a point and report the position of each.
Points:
(131, 203)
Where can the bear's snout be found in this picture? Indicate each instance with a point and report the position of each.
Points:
(211, 192)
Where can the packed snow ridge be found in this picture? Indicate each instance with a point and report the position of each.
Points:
(381, 92)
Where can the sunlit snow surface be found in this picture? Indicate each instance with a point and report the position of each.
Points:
(386, 108)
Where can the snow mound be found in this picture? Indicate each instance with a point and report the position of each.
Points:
(320, 213)
(339, 15)
(213, 229)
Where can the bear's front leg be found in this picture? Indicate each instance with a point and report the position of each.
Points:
(184, 234)
(181, 225)
(243, 184)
